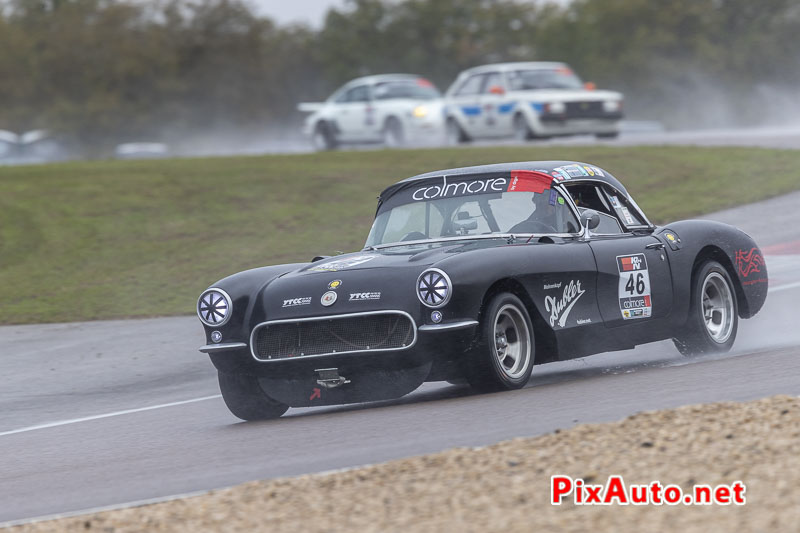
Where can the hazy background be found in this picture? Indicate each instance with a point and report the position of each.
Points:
(206, 73)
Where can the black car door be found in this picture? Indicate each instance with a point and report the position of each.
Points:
(634, 283)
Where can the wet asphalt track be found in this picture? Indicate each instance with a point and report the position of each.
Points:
(105, 413)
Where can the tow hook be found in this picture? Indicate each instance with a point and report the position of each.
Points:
(330, 378)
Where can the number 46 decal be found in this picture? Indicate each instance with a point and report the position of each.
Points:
(634, 287)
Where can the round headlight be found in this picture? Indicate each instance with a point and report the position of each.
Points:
(557, 107)
(214, 307)
(434, 288)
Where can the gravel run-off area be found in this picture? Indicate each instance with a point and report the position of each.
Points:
(505, 487)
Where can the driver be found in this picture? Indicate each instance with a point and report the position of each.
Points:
(543, 218)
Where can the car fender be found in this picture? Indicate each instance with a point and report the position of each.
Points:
(701, 240)
(244, 289)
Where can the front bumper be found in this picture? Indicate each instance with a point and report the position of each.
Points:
(578, 126)
(371, 375)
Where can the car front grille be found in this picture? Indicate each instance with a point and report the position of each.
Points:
(363, 332)
(585, 110)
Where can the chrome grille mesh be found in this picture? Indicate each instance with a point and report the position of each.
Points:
(348, 333)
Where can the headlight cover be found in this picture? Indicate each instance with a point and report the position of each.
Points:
(420, 111)
(214, 307)
(434, 288)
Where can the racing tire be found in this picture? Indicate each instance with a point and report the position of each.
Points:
(522, 130)
(454, 134)
(713, 313)
(502, 358)
(246, 399)
(393, 134)
(323, 138)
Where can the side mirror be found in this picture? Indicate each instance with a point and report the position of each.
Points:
(590, 219)
(589, 86)
(496, 89)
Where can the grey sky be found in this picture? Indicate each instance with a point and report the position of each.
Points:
(311, 12)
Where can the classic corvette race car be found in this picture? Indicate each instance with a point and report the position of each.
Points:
(478, 274)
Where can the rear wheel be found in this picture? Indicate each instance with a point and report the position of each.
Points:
(393, 135)
(503, 357)
(713, 313)
(246, 399)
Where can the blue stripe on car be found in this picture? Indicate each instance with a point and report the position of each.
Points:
(537, 107)
(471, 110)
(506, 108)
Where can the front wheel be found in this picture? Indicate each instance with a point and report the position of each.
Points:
(393, 135)
(323, 138)
(503, 356)
(453, 133)
(713, 313)
(522, 130)
(246, 399)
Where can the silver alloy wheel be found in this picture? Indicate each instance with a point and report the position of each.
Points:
(512, 341)
(717, 304)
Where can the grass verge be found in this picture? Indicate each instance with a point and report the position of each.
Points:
(116, 239)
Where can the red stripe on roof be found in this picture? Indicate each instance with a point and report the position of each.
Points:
(529, 181)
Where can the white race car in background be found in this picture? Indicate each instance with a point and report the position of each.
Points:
(527, 101)
(394, 109)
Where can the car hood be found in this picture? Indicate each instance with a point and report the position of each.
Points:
(361, 281)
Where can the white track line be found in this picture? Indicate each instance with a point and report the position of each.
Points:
(106, 415)
(788, 286)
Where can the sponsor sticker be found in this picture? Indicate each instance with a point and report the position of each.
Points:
(335, 284)
(634, 287)
(363, 296)
(572, 171)
(328, 299)
(559, 308)
(343, 264)
(615, 201)
(598, 172)
(294, 302)
(627, 214)
(553, 196)
(749, 262)
(589, 170)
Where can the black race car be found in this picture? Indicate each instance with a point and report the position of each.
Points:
(478, 274)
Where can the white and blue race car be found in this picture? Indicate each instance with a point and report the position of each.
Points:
(528, 101)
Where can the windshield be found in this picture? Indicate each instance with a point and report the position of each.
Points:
(557, 78)
(424, 213)
(419, 89)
